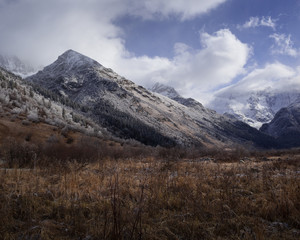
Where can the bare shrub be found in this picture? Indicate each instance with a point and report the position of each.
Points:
(18, 154)
(26, 123)
(53, 139)
(28, 136)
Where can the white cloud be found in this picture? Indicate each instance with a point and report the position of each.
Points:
(283, 45)
(186, 9)
(259, 94)
(41, 30)
(268, 22)
(220, 60)
(193, 72)
(254, 22)
(274, 76)
(87, 27)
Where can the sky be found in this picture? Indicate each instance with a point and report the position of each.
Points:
(199, 47)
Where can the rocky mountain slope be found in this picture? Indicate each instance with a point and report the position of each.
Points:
(165, 90)
(285, 126)
(131, 111)
(171, 93)
(26, 113)
(16, 66)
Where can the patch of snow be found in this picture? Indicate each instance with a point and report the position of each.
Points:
(164, 90)
(16, 66)
(254, 108)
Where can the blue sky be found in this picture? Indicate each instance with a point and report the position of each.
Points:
(157, 37)
(196, 46)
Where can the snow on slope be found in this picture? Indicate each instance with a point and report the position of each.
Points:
(171, 93)
(164, 90)
(256, 99)
(254, 108)
(20, 100)
(16, 66)
(132, 111)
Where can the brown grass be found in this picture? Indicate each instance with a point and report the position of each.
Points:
(154, 197)
(20, 129)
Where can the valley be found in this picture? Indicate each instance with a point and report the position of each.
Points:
(149, 120)
(154, 194)
(88, 154)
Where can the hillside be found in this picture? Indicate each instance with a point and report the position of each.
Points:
(28, 116)
(255, 101)
(131, 111)
(285, 126)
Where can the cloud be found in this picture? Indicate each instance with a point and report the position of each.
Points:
(276, 77)
(196, 72)
(272, 76)
(185, 9)
(254, 22)
(42, 30)
(193, 72)
(268, 22)
(220, 60)
(283, 45)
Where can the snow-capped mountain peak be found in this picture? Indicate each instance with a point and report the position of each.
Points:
(74, 69)
(164, 90)
(171, 93)
(72, 60)
(16, 66)
(254, 107)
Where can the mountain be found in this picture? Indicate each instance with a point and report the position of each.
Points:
(171, 93)
(254, 107)
(15, 65)
(131, 111)
(25, 114)
(165, 90)
(285, 126)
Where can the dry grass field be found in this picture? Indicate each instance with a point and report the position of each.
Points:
(162, 194)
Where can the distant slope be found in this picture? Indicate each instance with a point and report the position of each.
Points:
(254, 108)
(131, 111)
(285, 126)
(171, 93)
(165, 90)
(260, 95)
(15, 65)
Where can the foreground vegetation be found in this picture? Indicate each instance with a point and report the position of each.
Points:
(85, 192)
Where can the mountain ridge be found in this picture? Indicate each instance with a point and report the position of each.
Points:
(171, 93)
(131, 111)
(254, 107)
(285, 126)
